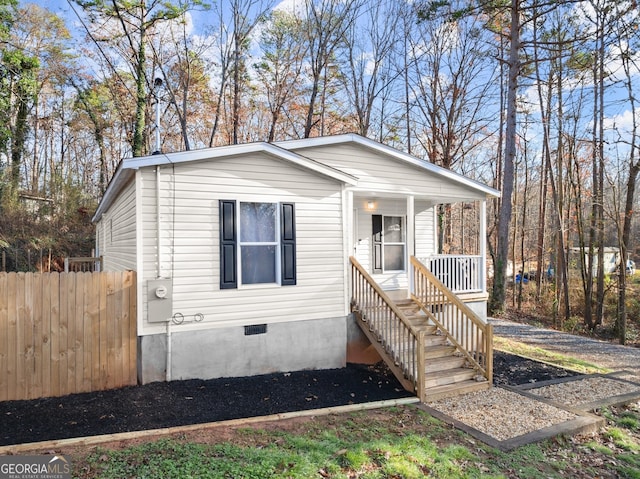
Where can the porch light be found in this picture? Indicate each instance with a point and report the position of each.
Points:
(371, 205)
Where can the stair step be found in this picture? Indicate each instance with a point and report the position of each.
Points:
(444, 363)
(439, 351)
(435, 340)
(403, 303)
(417, 318)
(451, 390)
(418, 326)
(448, 376)
(431, 342)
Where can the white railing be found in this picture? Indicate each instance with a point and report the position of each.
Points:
(459, 273)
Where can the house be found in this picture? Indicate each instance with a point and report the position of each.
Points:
(611, 259)
(246, 255)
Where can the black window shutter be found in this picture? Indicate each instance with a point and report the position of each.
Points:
(377, 243)
(228, 249)
(288, 244)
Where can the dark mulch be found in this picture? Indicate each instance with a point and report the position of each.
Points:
(159, 405)
(511, 370)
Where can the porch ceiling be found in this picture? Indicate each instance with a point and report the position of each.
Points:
(430, 199)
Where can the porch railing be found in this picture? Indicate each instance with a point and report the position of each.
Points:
(459, 273)
(464, 329)
(83, 264)
(389, 329)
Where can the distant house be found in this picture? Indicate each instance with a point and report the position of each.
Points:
(611, 259)
(243, 252)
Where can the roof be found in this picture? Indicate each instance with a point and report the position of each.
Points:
(285, 151)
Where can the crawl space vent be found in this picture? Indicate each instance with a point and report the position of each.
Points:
(255, 329)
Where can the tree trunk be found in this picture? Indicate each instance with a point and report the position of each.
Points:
(141, 98)
(634, 171)
(498, 293)
(17, 142)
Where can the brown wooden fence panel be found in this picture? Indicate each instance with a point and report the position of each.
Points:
(63, 333)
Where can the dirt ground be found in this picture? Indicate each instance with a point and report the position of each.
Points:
(161, 404)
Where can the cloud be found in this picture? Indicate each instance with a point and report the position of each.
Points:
(622, 122)
(295, 7)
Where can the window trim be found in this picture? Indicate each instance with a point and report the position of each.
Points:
(286, 251)
(403, 243)
(276, 243)
(379, 243)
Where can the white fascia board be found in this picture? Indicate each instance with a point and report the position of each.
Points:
(120, 178)
(239, 150)
(387, 150)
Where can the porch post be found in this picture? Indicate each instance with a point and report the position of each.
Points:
(483, 245)
(411, 236)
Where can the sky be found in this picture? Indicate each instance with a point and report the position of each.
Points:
(618, 113)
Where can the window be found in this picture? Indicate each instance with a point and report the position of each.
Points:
(388, 243)
(393, 239)
(257, 243)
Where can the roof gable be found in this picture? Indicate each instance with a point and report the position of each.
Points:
(392, 153)
(128, 166)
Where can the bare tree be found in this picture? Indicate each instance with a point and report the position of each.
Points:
(369, 47)
(280, 69)
(136, 20)
(498, 293)
(326, 23)
(627, 40)
(234, 25)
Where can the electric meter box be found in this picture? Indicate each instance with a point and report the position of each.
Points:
(159, 300)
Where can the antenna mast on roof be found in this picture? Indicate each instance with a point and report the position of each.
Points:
(157, 84)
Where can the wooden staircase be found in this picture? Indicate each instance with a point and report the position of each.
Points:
(447, 372)
(433, 343)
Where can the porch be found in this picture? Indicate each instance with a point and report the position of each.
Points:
(387, 230)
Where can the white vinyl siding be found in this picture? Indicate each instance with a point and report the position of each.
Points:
(426, 234)
(117, 232)
(382, 174)
(190, 254)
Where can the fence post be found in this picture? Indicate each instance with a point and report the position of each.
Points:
(66, 265)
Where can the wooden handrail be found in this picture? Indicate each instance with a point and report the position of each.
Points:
(380, 292)
(447, 297)
(397, 341)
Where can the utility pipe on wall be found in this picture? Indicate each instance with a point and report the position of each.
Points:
(158, 256)
(168, 365)
(159, 273)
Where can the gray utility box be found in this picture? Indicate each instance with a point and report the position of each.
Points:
(159, 300)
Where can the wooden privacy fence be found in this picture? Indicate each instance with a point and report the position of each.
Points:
(63, 333)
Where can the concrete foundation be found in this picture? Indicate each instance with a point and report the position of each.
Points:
(228, 352)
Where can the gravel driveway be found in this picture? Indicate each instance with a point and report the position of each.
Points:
(602, 353)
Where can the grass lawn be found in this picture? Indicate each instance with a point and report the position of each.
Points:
(401, 442)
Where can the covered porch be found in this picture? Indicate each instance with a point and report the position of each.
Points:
(388, 230)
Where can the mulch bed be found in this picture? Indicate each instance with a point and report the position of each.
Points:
(162, 404)
(511, 370)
